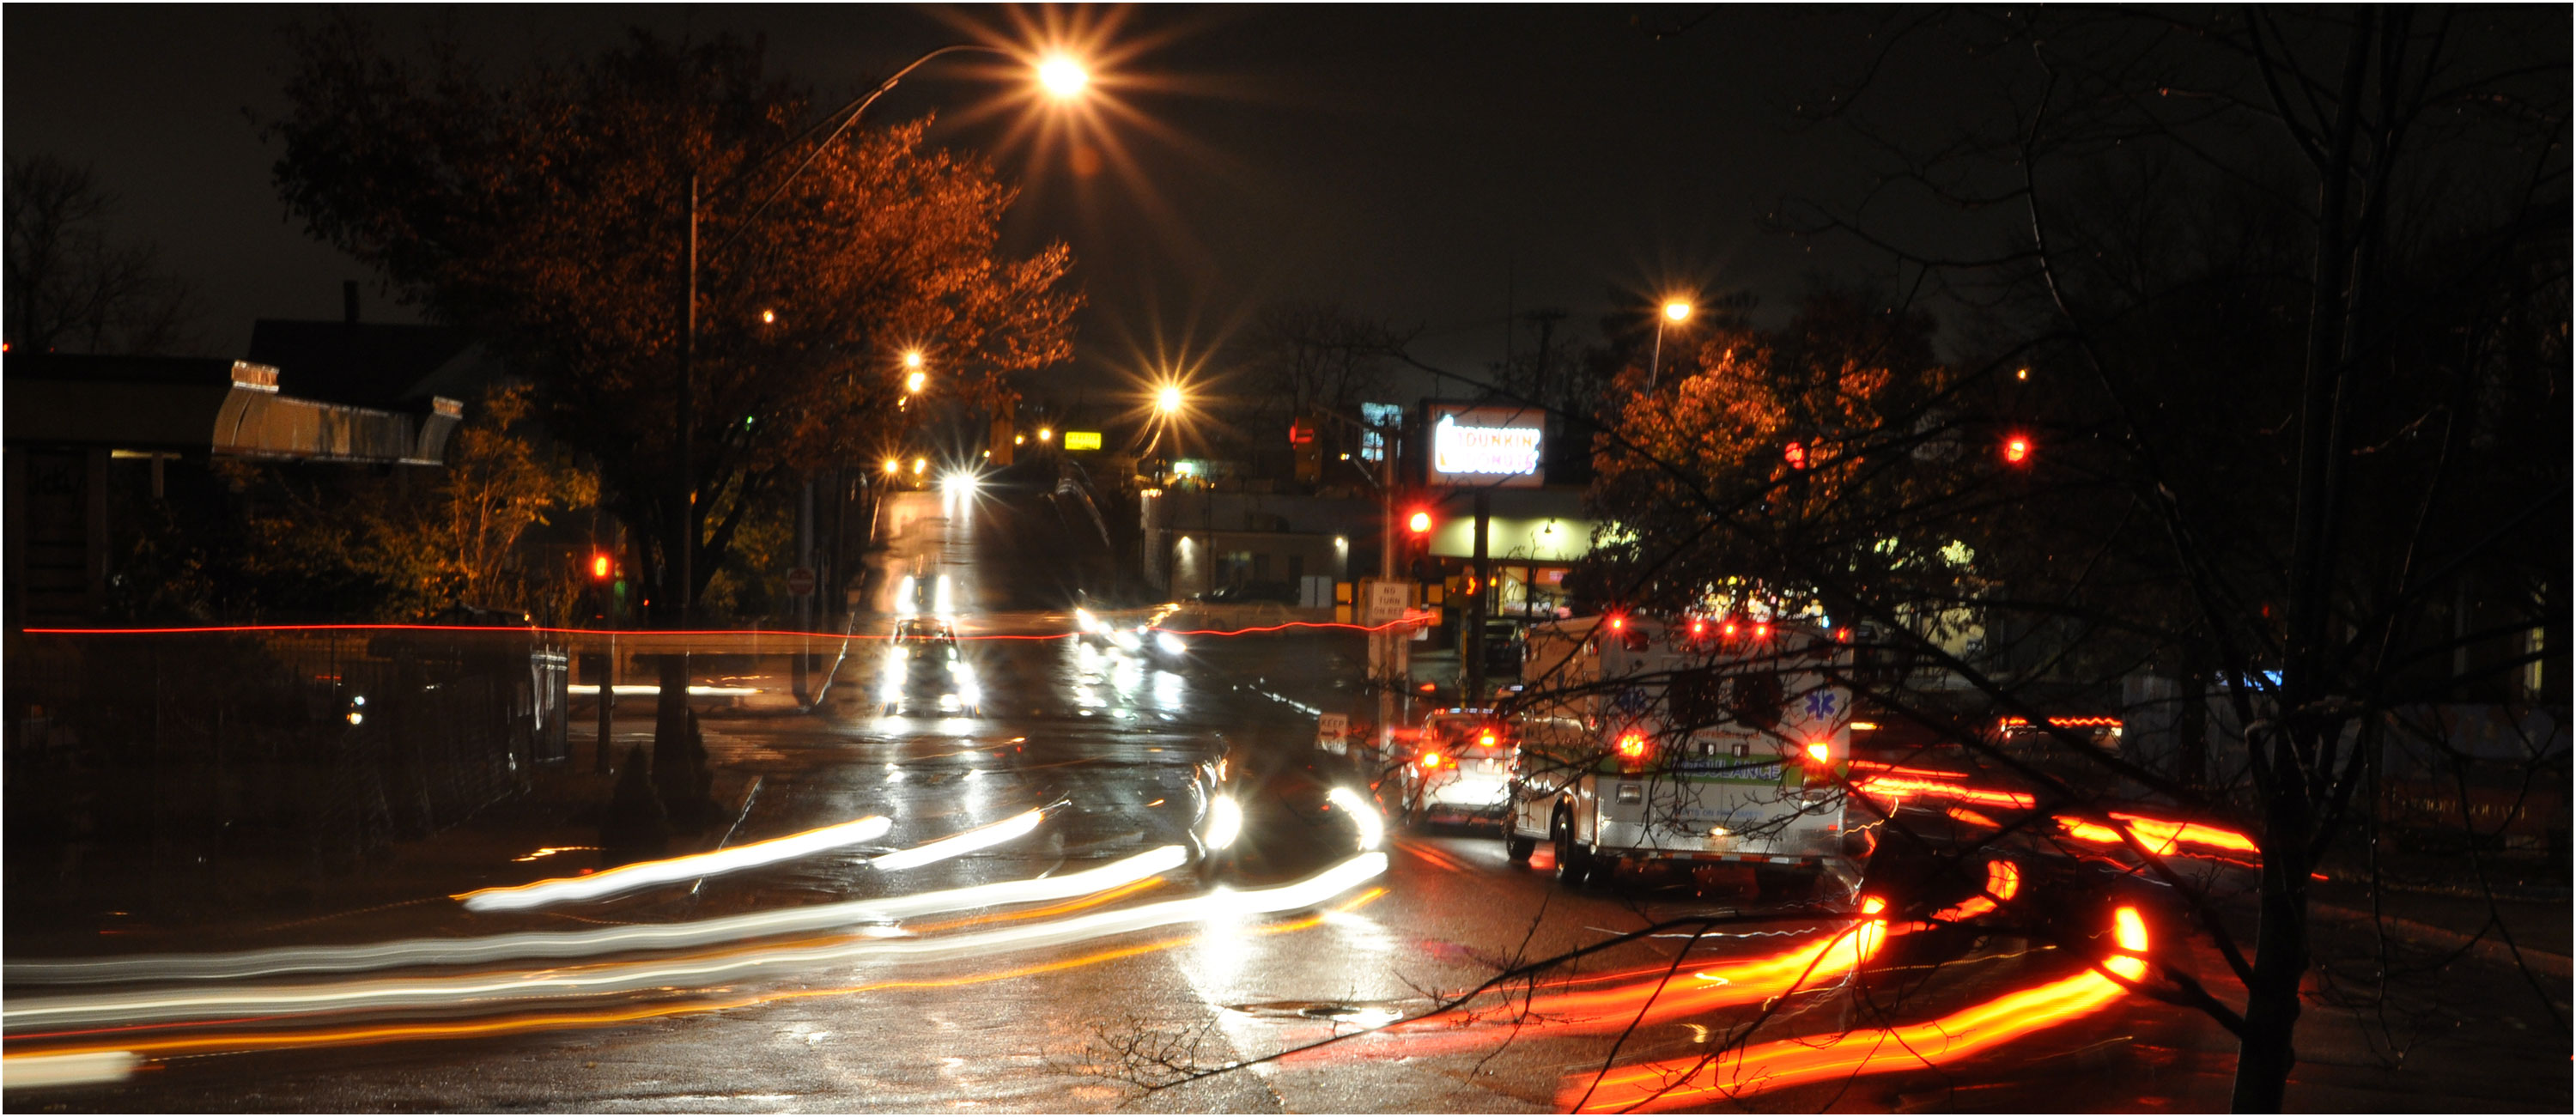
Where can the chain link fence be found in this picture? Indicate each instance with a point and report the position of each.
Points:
(316, 748)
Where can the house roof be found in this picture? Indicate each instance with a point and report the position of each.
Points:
(207, 405)
(362, 364)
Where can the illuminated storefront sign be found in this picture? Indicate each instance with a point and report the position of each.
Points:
(1487, 446)
(1082, 440)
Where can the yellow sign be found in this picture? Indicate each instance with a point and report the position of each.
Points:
(1082, 440)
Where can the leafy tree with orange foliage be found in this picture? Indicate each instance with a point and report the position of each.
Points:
(549, 213)
(1806, 432)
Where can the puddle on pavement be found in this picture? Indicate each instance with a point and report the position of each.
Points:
(1365, 1014)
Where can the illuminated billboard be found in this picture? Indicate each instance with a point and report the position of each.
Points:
(1082, 440)
(1494, 446)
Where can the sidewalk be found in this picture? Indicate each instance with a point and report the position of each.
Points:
(2538, 929)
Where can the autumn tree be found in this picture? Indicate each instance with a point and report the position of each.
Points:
(459, 540)
(550, 212)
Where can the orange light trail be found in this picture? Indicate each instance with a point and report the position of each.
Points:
(1973, 818)
(2160, 837)
(513, 1025)
(1788, 1062)
(1662, 994)
(1890, 787)
(2063, 723)
(2155, 829)
(1675, 1083)
(753, 633)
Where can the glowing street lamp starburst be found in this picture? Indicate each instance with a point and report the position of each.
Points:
(1062, 77)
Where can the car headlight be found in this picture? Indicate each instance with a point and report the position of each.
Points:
(1225, 822)
(1170, 644)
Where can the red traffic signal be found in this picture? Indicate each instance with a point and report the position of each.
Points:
(1420, 522)
(602, 567)
(2016, 449)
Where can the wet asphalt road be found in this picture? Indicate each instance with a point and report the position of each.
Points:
(1126, 744)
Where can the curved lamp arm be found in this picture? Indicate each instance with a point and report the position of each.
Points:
(852, 111)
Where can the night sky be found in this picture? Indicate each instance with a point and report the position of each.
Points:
(1434, 166)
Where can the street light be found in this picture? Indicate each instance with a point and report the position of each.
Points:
(1675, 311)
(1168, 401)
(1059, 76)
(1062, 77)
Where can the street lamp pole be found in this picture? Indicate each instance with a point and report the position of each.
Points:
(683, 554)
(1673, 311)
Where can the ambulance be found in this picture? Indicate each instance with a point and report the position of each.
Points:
(1706, 739)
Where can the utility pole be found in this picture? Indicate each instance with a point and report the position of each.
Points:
(1385, 641)
(671, 708)
(1472, 649)
(685, 531)
(1546, 320)
(804, 603)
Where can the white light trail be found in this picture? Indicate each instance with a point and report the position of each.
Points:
(29, 1072)
(963, 843)
(575, 944)
(628, 878)
(624, 977)
(1364, 814)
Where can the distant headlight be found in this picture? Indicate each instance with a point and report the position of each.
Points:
(1125, 640)
(1170, 644)
(1083, 617)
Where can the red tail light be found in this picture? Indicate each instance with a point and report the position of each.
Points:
(1820, 752)
(1430, 760)
(1632, 745)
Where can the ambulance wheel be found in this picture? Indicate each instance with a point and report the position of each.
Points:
(1573, 862)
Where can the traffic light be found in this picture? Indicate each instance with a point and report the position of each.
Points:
(1796, 455)
(1419, 523)
(603, 566)
(1309, 451)
(2016, 449)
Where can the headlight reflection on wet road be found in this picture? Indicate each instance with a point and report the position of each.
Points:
(628, 878)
